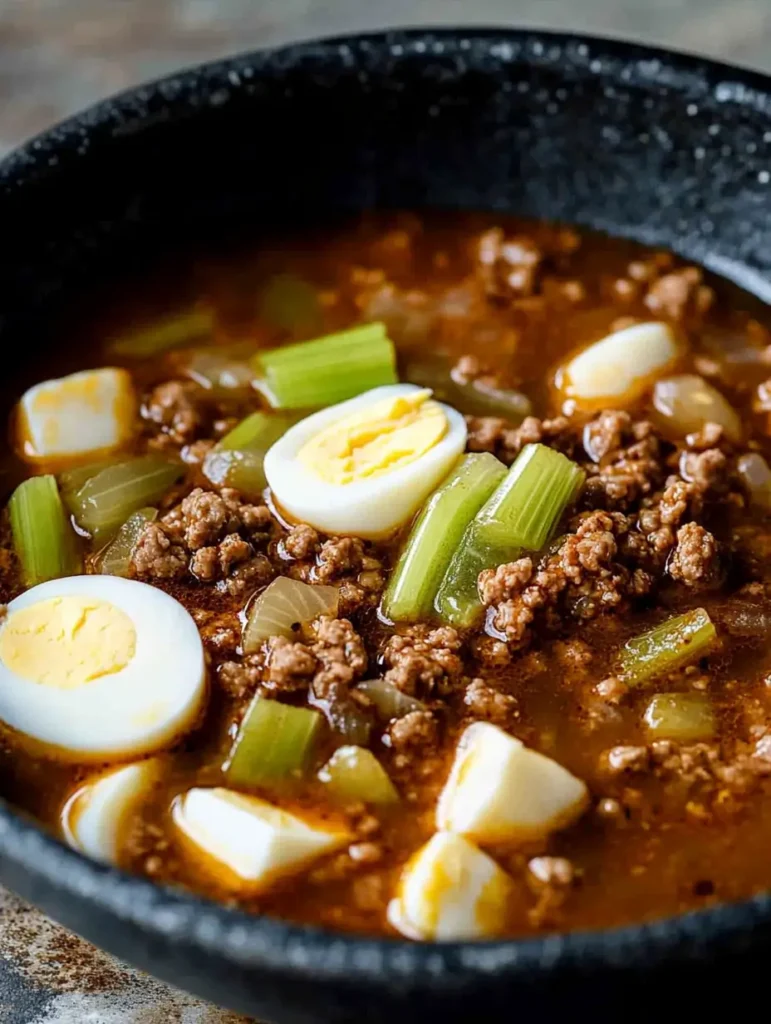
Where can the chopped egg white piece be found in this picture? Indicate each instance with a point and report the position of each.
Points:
(247, 841)
(620, 367)
(93, 817)
(365, 466)
(451, 890)
(83, 414)
(99, 667)
(500, 791)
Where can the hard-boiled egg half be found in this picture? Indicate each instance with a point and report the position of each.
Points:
(84, 414)
(99, 667)
(93, 817)
(365, 466)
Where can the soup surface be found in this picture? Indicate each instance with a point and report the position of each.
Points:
(380, 598)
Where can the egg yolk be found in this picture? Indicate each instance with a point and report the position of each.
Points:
(65, 642)
(389, 434)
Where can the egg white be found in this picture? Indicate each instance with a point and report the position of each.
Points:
(93, 816)
(136, 710)
(370, 508)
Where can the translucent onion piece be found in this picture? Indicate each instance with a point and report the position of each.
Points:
(345, 717)
(275, 742)
(667, 647)
(219, 372)
(389, 701)
(756, 476)
(685, 403)
(108, 498)
(620, 367)
(284, 605)
(116, 560)
(354, 773)
(42, 536)
(171, 332)
(684, 717)
(290, 303)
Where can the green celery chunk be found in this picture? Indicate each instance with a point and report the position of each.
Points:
(274, 743)
(436, 535)
(683, 717)
(667, 647)
(520, 516)
(354, 773)
(327, 370)
(43, 538)
(116, 560)
(104, 502)
(237, 460)
(290, 303)
(170, 332)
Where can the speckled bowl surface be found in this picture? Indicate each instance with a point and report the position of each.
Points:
(667, 149)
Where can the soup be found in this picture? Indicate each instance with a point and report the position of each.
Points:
(409, 579)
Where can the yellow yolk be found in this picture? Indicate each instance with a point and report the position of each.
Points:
(389, 434)
(65, 642)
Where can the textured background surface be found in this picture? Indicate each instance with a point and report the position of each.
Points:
(59, 55)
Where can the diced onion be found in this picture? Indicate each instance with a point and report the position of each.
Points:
(354, 773)
(620, 367)
(116, 560)
(684, 717)
(756, 476)
(219, 372)
(283, 606)
(685, 403)
(389, 701)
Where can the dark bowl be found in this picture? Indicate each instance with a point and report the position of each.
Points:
(663, 148)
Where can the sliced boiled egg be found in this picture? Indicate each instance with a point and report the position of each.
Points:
(93, 818)
(99, 667)
(620, 367)
(84, 414)
(451, 890)
(365, 466)
(500, 791)
(247, 842)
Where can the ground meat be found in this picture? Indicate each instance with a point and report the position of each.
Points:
(240, 678)
(551, 879)
(606, 433)
(490, 652)
(622, 759)
(626, 461)
(288, 666)
(508, 267)
(416, 732)
(214, 536)
(491, 434)
(483, 701)
(156, 556)
(302, 542)
(338, 556)
(694, 560)
(180, 409)
(679, 294)
(341, 657)
(707, 470)
(551, 870)
(423, 661)
(496, 585)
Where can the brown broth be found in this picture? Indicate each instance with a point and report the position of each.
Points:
(670, 849)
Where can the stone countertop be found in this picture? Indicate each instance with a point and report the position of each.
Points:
(57, 56)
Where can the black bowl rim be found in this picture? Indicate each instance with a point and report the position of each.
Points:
(250, 941)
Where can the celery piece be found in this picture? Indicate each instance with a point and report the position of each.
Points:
(290, 303)
(667, 647)
(42, 536)
(436, 535)
(388, 699)
(116, 560)
(520, 516)
(327, 370)
(109, 497)
(274, 743)
(284, 605)
(354, 773)
(170, 332)
(237, 460)
(684, 717)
